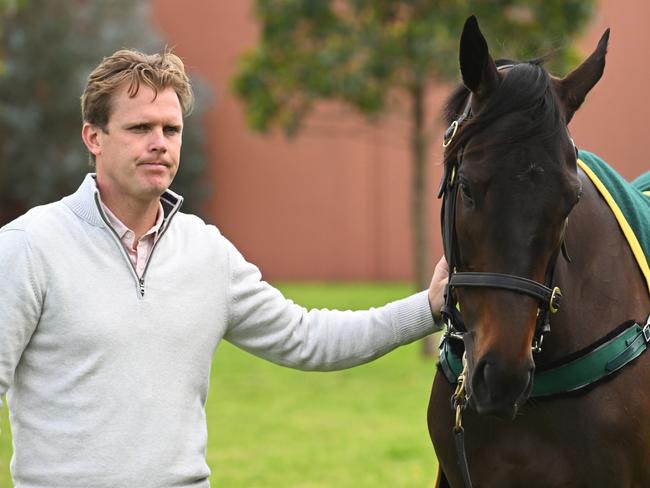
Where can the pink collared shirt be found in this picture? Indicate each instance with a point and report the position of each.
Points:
(138, 251)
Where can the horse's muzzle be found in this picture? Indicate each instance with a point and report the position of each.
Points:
(498, 390)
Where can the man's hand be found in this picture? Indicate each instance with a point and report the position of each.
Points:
(437, 287)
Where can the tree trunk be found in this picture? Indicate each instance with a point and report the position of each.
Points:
(419, 207)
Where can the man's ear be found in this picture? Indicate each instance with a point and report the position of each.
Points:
(477, 67)
(573, 88)
(90, 134)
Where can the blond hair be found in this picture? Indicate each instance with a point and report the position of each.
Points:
(127, 66)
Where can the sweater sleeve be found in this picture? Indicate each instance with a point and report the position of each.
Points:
(263, 322)
(20, 302)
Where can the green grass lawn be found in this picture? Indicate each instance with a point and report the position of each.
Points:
(273, 427)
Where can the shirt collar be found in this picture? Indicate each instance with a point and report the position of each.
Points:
(122, 229)
(85, 203)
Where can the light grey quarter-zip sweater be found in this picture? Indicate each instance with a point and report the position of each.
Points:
(107, 375)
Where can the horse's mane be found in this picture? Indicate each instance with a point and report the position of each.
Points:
(525, 93)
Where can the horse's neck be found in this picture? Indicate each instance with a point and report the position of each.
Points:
(602, 286)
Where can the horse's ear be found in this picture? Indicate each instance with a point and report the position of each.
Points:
(573, 89)
(476, 65)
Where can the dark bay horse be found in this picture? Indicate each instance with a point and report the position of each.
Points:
(524, 225)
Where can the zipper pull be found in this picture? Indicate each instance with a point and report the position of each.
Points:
(141, 281)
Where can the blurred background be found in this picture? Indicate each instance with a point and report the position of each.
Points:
(334, 200)
(315, 147)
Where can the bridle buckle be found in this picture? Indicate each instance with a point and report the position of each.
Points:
(554, 301)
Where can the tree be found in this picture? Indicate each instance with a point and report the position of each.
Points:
(7, 8)
(49, 48)
(360, 52)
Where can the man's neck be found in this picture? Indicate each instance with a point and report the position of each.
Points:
(138, 216)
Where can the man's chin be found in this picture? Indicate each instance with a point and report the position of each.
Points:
(151, 192)
(153, 187)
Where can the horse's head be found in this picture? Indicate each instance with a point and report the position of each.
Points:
(510, 184)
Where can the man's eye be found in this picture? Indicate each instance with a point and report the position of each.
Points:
(139, 128)
(172, 129)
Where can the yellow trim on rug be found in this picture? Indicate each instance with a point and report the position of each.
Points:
(438, 478)
(622, 222)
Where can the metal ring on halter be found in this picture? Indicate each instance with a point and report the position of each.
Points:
(554, 301)
(452, 176)
(453, 128)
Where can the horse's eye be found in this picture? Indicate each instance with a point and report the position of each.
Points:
(464, 189)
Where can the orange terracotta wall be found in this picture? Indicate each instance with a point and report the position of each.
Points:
(334, 203)
(613, 120)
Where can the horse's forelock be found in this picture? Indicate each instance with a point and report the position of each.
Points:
(525, 94)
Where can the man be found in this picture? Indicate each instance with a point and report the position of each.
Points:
(113, 303)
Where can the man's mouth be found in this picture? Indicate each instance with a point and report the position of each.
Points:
(154, 164)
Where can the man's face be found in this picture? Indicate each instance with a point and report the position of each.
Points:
(138, 155)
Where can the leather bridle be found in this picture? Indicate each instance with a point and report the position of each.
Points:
(548, 295)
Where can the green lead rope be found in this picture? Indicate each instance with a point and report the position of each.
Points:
(576, 373)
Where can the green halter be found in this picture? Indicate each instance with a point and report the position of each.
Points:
(582, 369)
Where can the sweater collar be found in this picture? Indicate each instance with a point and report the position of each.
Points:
(85, 203)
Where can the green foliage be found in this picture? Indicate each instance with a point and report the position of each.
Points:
(7, 7)
(357, 51)
(49, 49)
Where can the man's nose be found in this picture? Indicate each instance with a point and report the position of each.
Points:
(158, 143)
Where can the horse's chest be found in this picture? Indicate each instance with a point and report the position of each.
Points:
(579, 442)
(511, 459)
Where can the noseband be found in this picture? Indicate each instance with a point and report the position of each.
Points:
(548, 296)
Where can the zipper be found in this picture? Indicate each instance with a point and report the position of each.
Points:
(165, 225)
(116, 238)
(140, 282)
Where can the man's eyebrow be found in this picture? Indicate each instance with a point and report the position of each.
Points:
(135, 122)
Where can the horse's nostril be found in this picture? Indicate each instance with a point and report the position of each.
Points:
(489, 373)
(493, 380)
(497, 389)
(480, 381)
